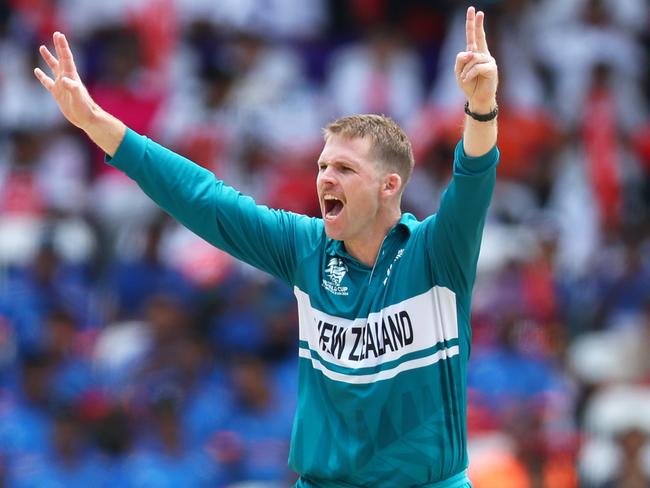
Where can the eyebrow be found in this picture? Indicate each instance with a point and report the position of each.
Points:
(339, 162)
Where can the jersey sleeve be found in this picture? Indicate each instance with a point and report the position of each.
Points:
(454, 234)
(265, 238)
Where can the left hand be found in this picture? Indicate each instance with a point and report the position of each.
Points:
(66, 88)
(476, 70)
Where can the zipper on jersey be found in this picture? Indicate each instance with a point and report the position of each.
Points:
(377, 258)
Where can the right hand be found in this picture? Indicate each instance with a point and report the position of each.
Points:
(476, 70)
(68, 91)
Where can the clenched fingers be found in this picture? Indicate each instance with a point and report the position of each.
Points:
(487, 70)
(462, 58)
(465, 65)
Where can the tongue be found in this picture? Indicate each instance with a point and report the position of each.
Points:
(335, 208)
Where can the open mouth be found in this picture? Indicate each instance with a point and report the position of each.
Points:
(333, 206)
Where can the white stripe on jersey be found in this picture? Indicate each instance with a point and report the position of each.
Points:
(413, 325)
(381, 375)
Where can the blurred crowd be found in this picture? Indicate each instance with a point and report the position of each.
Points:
(133, 354)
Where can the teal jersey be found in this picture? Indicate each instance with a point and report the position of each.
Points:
(383, 350)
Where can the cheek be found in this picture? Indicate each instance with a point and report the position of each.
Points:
(364, 201)
(318, 184)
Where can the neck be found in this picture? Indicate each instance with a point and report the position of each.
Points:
(365, 249)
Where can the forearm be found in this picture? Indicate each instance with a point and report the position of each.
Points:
(479, 137)
(105, 130)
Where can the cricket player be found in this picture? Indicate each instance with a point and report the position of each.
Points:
(383, 299)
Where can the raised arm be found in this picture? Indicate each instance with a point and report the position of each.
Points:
(477, 75)
(455, 233)
(271, 240)
(74, 100)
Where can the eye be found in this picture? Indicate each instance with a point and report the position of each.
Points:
(322, 167)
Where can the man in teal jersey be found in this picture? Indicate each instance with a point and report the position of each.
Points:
(383, 299)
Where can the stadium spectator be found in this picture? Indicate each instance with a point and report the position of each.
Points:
(560, 305)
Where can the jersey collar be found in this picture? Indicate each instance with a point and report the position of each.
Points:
(405, 226)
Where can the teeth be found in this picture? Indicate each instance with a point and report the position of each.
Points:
(329, 197)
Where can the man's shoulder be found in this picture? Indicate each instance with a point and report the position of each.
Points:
(414, 226)
(309, 232)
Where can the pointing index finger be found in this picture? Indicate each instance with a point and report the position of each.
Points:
(470, 29)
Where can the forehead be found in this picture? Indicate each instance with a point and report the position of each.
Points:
(345, 149)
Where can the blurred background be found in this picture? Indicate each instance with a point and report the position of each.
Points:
(133, 354)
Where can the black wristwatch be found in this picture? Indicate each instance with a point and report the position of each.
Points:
(482, 117)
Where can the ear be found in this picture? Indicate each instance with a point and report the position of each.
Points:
(392, 184)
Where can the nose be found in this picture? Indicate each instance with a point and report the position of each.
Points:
(327, 176)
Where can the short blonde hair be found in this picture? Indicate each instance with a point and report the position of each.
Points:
(389, 144)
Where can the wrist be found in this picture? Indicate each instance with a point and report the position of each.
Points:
(482, 107)
(482, 117)
(94, 119)
(104, 130)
